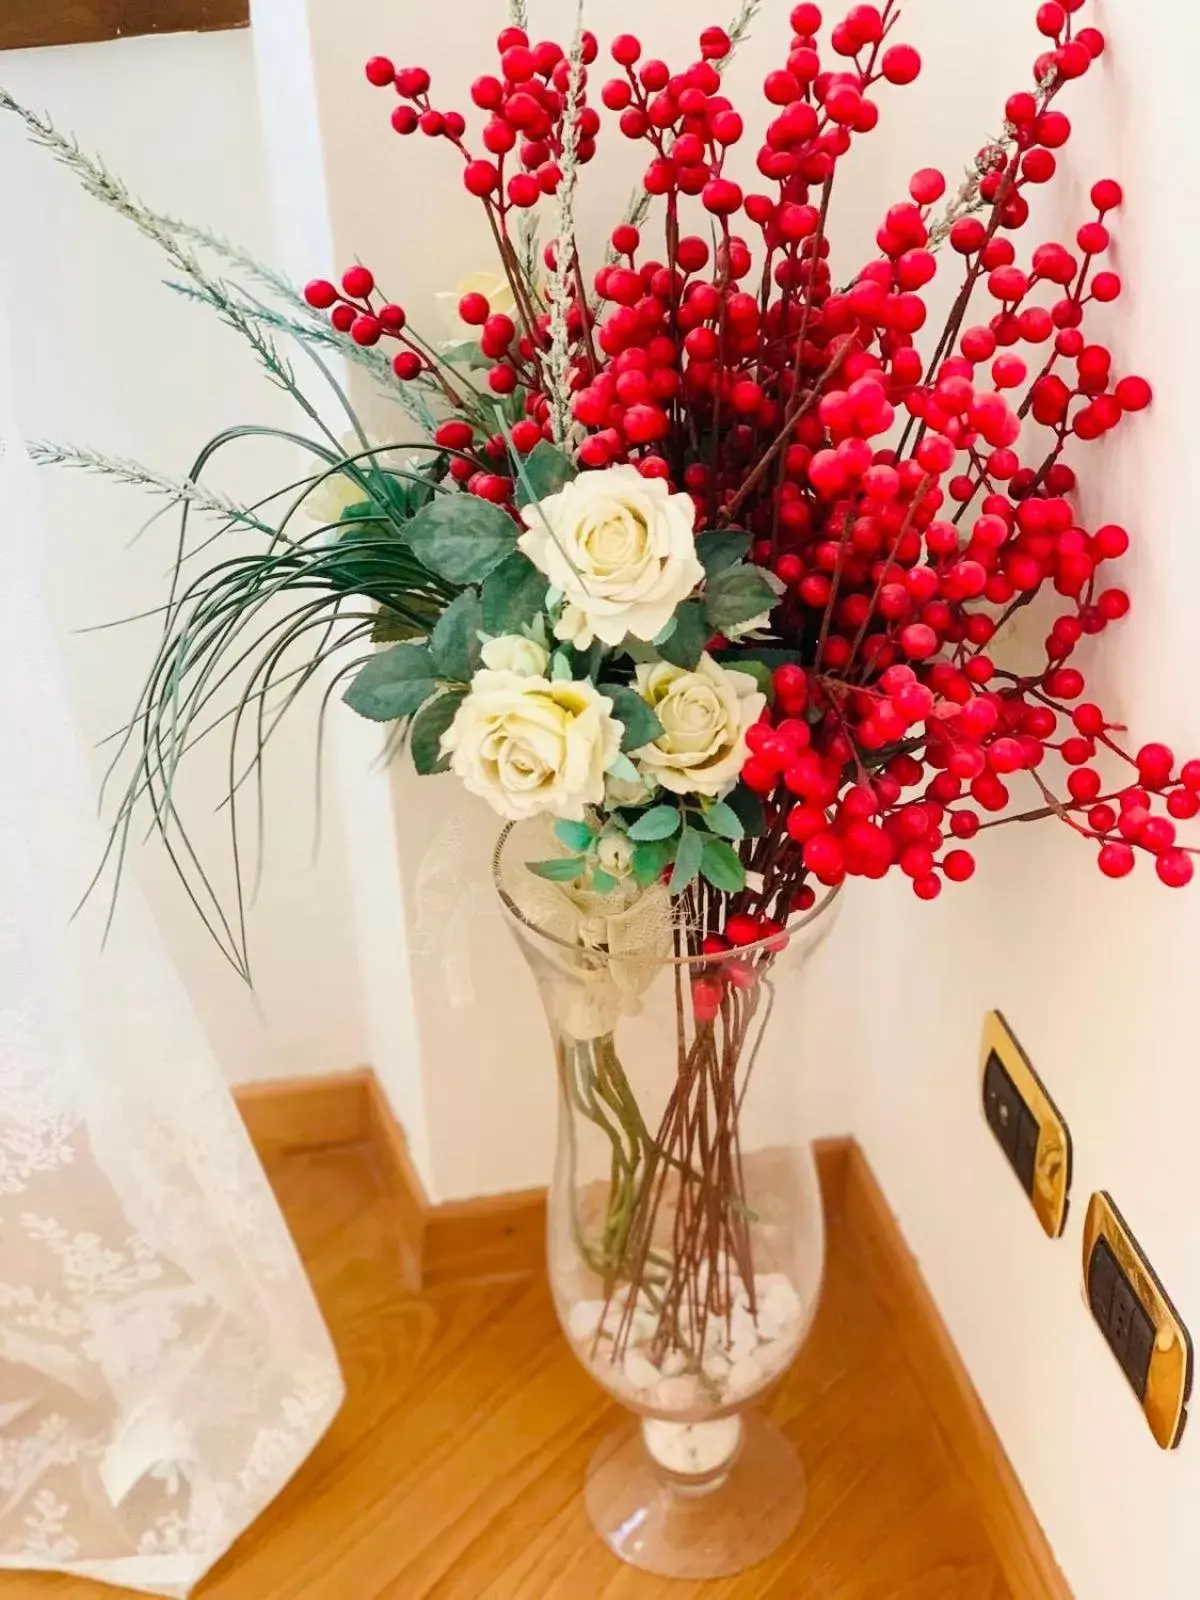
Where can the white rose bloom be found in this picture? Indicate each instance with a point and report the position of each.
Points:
(574, 628)
(528, 745)
(704, 715)
(512, 652)
(332, 496)
(493, 286)
(628, 791)
(615, 854)
(621, 549)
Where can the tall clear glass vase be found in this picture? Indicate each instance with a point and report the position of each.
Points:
(686, 1232)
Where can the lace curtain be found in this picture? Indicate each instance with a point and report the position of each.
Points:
(164, 1368)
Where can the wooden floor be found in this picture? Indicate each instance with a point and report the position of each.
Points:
(454, 1470)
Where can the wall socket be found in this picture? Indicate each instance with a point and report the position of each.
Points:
(1027, 1124)
(1142, 1327)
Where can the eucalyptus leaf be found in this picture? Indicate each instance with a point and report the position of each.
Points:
(658, 823)
(393, 683)
(429, 724)
(723, 819)
(575, 835)
(739, 594)
(603, 882)
(560, 667)
(461, 537)
(639, 722)
(513, 594)
(542, 472)
(455, 639)
(689, 854)
(649, 859)
(720, 865)
(721, 548)
(561, 869)
(685, 644)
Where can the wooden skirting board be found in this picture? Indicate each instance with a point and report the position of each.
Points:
(502, 1235)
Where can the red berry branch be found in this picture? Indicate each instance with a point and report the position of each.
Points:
(909, 504)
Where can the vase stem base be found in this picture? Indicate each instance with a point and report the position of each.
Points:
(681, 1528)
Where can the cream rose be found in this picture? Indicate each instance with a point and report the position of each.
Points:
(326, 502)
(528, 745)
(621, 549)
(614, 852)
(512, 652)
(704, 716)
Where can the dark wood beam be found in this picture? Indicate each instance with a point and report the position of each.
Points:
(25, 24)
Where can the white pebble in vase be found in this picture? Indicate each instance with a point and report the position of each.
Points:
(693, 1449)
(640, 1370)
(745, 1377)
(583, 1319)
(677, 1394)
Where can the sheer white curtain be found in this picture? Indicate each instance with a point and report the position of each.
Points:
(164, 1368)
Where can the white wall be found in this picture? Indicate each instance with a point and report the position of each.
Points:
(1098, 979)
(105, 355)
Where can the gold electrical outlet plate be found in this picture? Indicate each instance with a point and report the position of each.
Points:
(1043, 1168)
(1161, 1380)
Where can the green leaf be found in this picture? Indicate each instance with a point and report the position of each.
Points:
(390, 627)
(766, 654)
(513, 595)
(542, 472)
(603, 882)
(721, 548)
(360, 511)
(393, 683)
(740, 593)
(586, 663)
(455, 639)
(461, 537)
(749, 809)
(658, 823)
(575, 835)
(562, 869)
(688, 856)
(429, 724)
(622, 767)
(464, 353)
(758, 670)
(724, 820)
(640, 724)
(685, 645)
(649, 859)
(560, 667)
(720, 865)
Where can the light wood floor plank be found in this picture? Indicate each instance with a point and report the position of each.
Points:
(454, 1470)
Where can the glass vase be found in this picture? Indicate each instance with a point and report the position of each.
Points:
(686, 1235)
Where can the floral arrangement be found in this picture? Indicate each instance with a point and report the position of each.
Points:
(752, 550)
(703, 552)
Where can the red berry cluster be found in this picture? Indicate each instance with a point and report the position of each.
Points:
(526, 104)
(910, 502)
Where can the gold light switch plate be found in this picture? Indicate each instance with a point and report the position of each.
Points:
(1142, 1327)
(1028, 1125)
